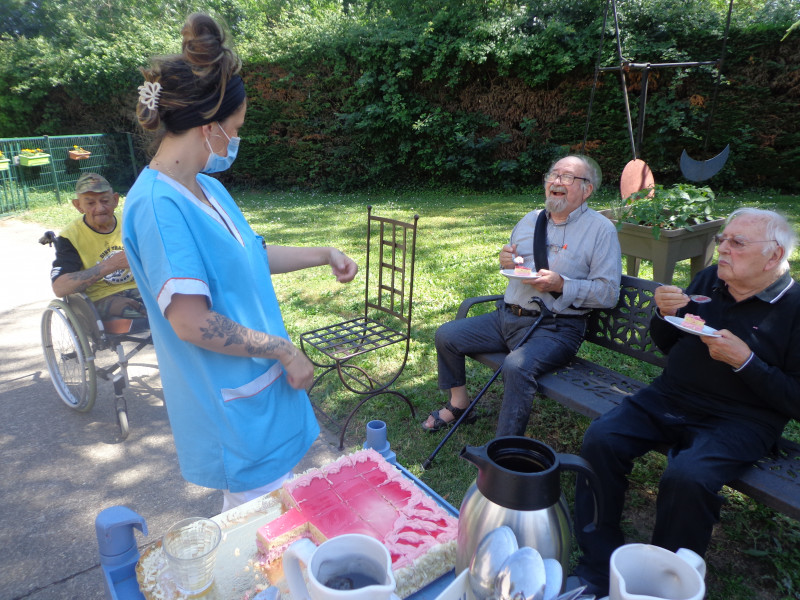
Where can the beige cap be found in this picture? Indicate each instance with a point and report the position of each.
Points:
(92, 182)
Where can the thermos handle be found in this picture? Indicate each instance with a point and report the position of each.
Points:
(571, 462)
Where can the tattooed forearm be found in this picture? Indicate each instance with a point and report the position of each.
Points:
(256, 343)
(84, 279)
(222, 327)
(259, 344)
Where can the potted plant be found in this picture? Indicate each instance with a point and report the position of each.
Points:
(78, 153)
(666, 225)
(33, 157)
(4, 162)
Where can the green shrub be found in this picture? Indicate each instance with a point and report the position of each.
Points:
(479, 94)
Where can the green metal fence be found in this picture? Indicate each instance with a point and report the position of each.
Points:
(111, 155)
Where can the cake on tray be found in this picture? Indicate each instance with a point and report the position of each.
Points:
(362, 493)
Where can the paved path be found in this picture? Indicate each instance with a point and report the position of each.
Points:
(60, 468)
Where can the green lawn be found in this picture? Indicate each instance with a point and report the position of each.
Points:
(754, 552)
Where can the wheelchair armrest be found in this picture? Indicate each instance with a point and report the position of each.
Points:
(82, 299)
(463, 309)
(84, 307)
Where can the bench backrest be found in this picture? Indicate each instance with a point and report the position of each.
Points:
(626, 327)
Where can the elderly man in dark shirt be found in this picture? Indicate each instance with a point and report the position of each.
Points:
(720, 404)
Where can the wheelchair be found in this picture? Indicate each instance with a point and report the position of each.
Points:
(72, 335)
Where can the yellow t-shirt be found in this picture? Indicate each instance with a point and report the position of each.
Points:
(94, 247)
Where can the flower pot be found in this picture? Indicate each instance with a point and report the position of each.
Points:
(637, 243)
(78, 154)
(34, 160)
(4, 162)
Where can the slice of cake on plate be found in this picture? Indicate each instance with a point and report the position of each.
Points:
(693, 322)
(520, 269)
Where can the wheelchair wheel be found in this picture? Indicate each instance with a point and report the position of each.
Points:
(69, 357)
(122, 419)
(120, 383)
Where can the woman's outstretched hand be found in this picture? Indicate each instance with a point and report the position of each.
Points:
(343, 267)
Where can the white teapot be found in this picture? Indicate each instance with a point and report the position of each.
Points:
(645, 572)
(347, 567)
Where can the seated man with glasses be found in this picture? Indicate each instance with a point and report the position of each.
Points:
(583, 272)
(720, 404)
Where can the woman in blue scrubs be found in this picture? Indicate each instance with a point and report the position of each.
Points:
(234, 383)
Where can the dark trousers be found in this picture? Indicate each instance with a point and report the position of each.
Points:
(552, 344)
(706, 452)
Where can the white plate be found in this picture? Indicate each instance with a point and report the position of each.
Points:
(510, 274)
(707, 331)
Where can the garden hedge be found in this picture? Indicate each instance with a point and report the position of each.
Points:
(475, 94)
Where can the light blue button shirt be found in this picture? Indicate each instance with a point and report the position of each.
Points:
(584, 250)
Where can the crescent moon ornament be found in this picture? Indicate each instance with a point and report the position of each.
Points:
(700, 170)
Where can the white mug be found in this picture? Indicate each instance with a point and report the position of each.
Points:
(645, 572)
(347, 567)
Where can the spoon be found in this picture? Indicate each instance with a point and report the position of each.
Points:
(522, 576)
(493, 550)
(554, 576)
(572, 594)
(698, 298)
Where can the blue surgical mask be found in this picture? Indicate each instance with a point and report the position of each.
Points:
(217, 163)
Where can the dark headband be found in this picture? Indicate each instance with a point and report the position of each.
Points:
(192, 116)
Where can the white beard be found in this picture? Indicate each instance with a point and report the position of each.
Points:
(555, 205)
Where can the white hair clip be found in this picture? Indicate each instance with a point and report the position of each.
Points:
(149, 93)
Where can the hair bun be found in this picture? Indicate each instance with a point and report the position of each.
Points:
(193, 83)
(203, 41)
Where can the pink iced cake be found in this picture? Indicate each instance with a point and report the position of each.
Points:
(521, 269)
(362, 493)
(693, 322)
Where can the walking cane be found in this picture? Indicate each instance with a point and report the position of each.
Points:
(543, 312)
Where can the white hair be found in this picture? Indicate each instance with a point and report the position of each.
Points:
(588, 170)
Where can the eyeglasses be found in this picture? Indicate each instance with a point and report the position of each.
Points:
(738, 242)
(566, 178)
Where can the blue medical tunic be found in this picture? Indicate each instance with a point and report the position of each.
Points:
(237, 422)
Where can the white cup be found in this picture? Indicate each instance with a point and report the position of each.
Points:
(645, 572)
(347, 567)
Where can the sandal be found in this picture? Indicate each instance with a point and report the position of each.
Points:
(439, 423)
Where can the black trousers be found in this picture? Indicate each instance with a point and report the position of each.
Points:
(706, 452)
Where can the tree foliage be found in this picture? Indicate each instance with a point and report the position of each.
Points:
(482, 93)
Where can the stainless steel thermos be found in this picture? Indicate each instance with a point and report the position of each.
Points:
(519, 485)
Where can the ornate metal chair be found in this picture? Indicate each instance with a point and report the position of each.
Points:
(386, 320)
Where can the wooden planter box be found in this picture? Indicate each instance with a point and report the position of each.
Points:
(4, 162)
(34, 160)
(637, 243)
(78, 155)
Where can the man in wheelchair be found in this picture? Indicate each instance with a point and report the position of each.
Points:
(90, 258)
